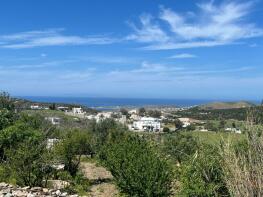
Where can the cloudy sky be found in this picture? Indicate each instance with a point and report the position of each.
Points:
(132, 48)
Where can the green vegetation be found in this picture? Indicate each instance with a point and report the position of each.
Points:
(137, 167)
(181, 163)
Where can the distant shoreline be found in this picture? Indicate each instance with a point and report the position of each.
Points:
(117, 103)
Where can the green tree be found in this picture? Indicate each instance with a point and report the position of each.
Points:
(102, 130)
(180, 147)
(154, 113)
(72, 147)
(124, 111)
(178, 124)
(6, 101)
(11, 137)
(6, 118)
(137, 167)
(166, 130)
(142, 111)
(29, 163)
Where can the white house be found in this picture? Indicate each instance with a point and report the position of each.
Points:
(235, 130)
(53, 120)
(77, 110)
(147, 124)
(35, 107)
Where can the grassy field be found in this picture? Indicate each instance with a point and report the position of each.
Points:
(215, 137)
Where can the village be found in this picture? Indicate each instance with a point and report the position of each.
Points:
(148, 119)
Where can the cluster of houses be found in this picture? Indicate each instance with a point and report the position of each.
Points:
(133, 119)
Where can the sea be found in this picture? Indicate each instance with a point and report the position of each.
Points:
(116, 103)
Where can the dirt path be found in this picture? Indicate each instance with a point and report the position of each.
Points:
(103, 186)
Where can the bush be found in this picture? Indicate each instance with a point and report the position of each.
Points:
(179, 146)
(137, 167)
(72, 147)
(202, 174)
(6, 118)
(166, 130)
(29, 163)
(13, 136)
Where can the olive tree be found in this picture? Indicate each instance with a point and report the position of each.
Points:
(139, 170)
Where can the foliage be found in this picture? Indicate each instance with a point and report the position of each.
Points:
(13, 136)
(215, 114)
(102, 129)
(166, 130)
(29, 163)
(243, 164)
(6, 118)
(124, 111)
(6, 102)
(190, 127)
(72, 147)
(142, 111)
(154, 113)
(178, 124)
(201, 175)
(180, 146)
(137, 167)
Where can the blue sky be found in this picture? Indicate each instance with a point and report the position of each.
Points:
(136, 48)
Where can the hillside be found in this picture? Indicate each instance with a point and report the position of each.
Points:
(226, 105)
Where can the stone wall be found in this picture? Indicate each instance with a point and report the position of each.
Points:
(8, 190)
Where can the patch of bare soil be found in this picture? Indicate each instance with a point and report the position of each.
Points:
(101, 178)
(104, 190)
(94, 172)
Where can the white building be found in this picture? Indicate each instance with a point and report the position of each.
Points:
(147, 124)
(53, 120)
(35, 107)
(235, 130)
(77, 110)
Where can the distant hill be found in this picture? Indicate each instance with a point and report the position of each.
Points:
(226, 105)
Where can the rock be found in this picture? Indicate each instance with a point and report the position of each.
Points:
(3, 184)
(45, 190)
(19, 193)
(64, 194)
(25, 188)
(35, 189)
(31, 195)
(58, 192)
(6, 190)
(8, 195)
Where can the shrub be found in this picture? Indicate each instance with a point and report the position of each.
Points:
(6, 118)
(29, 163)
(13, 136)
(202, 175)
(137, 167)
(72, 147)
(166, 130)
(179, 146)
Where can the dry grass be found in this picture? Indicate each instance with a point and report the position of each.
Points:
(244, 169)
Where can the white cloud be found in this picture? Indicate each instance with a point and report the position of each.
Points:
(148, 32)
(50, 37)
(212, 25)
(183, 56)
